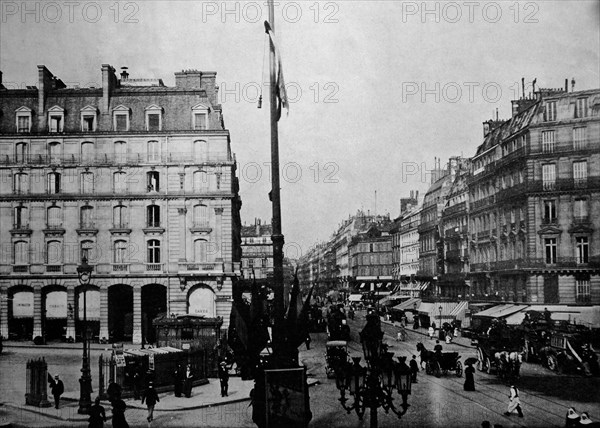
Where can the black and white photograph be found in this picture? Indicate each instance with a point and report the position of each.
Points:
(311, 213)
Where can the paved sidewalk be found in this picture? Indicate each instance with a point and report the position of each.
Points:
(208, 395)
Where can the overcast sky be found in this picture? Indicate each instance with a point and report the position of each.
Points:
(379, 88)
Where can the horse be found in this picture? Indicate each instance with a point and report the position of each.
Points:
(424, 353)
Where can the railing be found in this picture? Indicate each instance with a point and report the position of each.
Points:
(112, 158)
(53, 268)
(87, 225)
(154, 267)
(581, 219)
(489, 200)
(511, 192)
(565, 184)
(201, 267)
(458, 208)
(562, 148)
(516, 154)
(20, 269)
(120, 267)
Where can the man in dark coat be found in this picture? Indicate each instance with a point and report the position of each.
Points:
(97, 415)
(224, 378)
(151, 398)
(187, 383)
(469, 378)
(414, 368)
(57, 388)
(178, 380)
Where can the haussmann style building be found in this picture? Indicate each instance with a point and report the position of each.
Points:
(137, 177)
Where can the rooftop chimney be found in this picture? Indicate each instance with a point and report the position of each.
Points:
(566, 85)
(124, 73)
(109, 82)
(573, 84)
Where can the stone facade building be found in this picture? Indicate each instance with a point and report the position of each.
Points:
(533, 192)
(257, 251)
(137, 177)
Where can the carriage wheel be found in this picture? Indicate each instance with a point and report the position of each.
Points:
(459, 369)
(552, 363)
(479, 360)
(488, 365)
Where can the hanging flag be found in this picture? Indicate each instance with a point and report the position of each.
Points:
(282, 98)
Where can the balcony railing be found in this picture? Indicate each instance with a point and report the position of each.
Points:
(201, 267)
(112, 158)
(53, 268)
(154, 267)
(562, 148)
(487, 201)
(458, 208)
(120, 267)
(20, 268)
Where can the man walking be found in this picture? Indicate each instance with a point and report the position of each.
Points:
(514, 403)
(57, 388)
(224, 378)
(97, 415)
(414, 368)
(151, 398)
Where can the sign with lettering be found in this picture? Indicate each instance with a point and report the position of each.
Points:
(56, 304)
(120, 360)
(22, 304)
(202, 302)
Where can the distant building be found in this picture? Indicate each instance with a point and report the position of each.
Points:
(257, 252)
(371, 259)
(135, 176)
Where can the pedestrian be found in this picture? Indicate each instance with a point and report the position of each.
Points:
(178, 380)
(469, 378)
(438, 347)
(414, 368)
(97, 415)
(187, 381)
(118, 413)
(137, 381)
(151, 398)
(431, 332)
(448, 337)
(57, 388)
(514, 402)
(572, 419)
(224, 378)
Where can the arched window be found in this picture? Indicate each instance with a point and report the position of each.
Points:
(153, 216)
(54, 152)
(119, 182)
(54, 217)
(87, 152)
(200, 151)
(200, 215)
(200, 250)
(21, 183)
(154, 251)
(120, 251)
(21, 253)
(120, 151)
(86, 217)
(21, 152)
(200, 181)
(87, 182)
(54, 182)
(153, 181)
(153, 151)
(21, 218)
(120, 216)
(54, 253)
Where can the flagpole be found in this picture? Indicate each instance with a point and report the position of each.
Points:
(277, 236)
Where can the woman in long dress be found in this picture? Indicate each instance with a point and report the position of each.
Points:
(469, 378)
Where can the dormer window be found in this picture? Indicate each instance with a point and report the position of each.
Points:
(200, 117)
(89, 118)
(121, 118)
(56, 119)
(23, 120)
(551, 111)
(153, 118)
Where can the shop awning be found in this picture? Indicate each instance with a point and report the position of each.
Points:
(355, 297)
(409, 304)
(459, 311)
(501, 311)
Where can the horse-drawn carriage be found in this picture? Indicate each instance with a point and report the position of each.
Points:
(440, 363)
(336, 356)
(500, 351)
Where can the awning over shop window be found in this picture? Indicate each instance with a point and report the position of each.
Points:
(501, 311)
(409, 304)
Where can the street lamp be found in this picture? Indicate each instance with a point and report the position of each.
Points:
(373, 386)
(440, 326)
(84, 273)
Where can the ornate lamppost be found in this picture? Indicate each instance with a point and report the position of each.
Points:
(440, 334)
(373, 386)
(84, 274)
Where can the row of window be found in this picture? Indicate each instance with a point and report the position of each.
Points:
(581, 110)
(515, 251)
(202, 182)
(118, 154)
(121, 118)
(580, 174)
(123, 252)
(54, 216)
(550, 143)
(249, 263)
